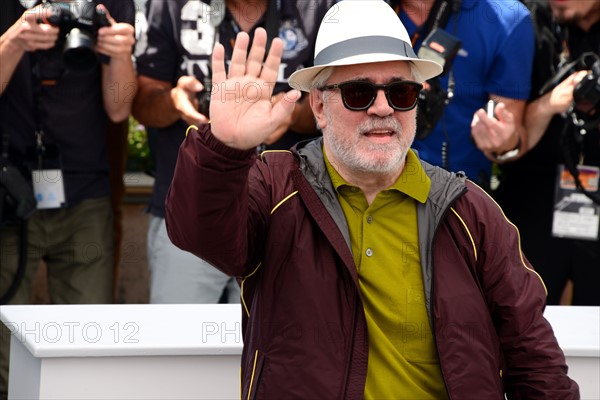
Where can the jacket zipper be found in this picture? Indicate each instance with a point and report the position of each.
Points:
(432, 289)
(434, 334)
(351, 350)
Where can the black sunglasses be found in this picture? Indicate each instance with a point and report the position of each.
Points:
(360, 95)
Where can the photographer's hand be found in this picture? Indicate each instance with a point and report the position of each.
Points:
(241, 111)
(118, 76)
(185, 99)
(27, 34)
(540, 112)
(115, 41)
(502, 134)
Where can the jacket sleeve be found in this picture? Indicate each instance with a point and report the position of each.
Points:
(516, 296)
(209, 211)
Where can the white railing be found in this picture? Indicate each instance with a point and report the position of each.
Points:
(184, 351)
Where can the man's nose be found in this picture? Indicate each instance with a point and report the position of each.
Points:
(380, 106)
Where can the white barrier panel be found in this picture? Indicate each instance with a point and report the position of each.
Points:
(184, 351)
(124, 351)
(577, 330)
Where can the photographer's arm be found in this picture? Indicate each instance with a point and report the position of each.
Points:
(158, 104)
(540, 112)
(23, 36)
(118, 76)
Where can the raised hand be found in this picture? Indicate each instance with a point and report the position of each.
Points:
(242, 113)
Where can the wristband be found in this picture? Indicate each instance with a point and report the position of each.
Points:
(507, 155)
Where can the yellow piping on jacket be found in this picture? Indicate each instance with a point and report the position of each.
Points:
(258, 266)
(518, 236)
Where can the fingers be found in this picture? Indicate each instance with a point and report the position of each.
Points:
(257, 53)
(491, 134)
(284, 107)
(190, 84)
(578, 76)
(182, 100)
(250, 63)
(116, 40)
(237, 68)
(43, 38)
(31, 33)
(102, 8)
(218, 64)
(270, 68)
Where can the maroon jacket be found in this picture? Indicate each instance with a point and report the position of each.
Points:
(277, 225)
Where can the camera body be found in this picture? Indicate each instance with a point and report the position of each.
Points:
(16, 194)
(586, 95)
(79, 22)
(203, 97)
(441, 47)
(430, 107)
(204, 102)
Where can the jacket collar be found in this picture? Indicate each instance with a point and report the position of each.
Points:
(445, 186)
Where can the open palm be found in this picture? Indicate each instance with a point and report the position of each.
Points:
(242, 114)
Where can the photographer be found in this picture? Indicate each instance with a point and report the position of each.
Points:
(174, 80)
(66, 69)
(559, 221)
(493, 51)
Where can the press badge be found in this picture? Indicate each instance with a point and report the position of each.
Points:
(576, 216)
(48, 188)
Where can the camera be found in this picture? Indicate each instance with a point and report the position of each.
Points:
(430, 107)
(204, 99)
(78, 22)
(586, 95)
(16, 194)
(203, 96)
(441, 47)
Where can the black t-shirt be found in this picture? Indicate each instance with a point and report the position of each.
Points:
(71, 114)
(180, 38)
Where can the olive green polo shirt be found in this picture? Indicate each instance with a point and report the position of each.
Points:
(403, 363)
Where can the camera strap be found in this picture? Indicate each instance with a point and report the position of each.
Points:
(47, 179)
(438, 18)
(37, 110)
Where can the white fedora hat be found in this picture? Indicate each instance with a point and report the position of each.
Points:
(359, 32)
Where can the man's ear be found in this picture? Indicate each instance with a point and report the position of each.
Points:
(317, 106)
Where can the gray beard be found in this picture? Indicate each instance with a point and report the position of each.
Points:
(344, 152)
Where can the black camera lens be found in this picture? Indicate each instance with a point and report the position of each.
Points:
(79, 22)
(79, 51)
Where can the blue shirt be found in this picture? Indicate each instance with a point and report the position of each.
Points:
(495, 59)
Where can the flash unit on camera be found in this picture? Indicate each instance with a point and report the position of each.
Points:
(441, 47)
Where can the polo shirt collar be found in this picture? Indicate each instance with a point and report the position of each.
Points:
(413, 181)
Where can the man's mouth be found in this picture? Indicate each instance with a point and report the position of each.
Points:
(380, 132)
